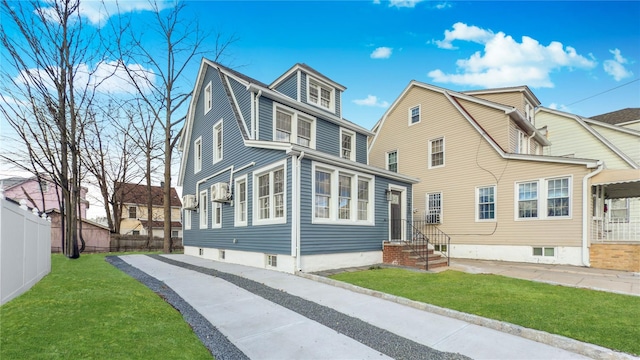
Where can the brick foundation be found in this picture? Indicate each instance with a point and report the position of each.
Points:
(625, 257)
(402, 255)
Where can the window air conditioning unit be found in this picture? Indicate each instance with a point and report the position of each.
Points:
(189, 202)
(220, 192)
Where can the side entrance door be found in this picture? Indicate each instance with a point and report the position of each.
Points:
(396, 216)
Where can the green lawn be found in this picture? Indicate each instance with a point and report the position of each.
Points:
(596, 317)
(88, 309)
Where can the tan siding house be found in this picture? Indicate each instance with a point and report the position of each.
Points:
(487, 190)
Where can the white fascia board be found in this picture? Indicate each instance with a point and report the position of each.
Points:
(348, 164)
(298, 67)
(185, 138)
(517, 116)
(274, 95)
(616, 127)
(589, 163)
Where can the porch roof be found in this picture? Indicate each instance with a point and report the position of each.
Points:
(623, 183)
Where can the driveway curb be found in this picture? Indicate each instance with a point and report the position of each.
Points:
(565, 343)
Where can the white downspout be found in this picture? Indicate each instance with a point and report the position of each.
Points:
(297, 235)
(257, 117)
(586, 194)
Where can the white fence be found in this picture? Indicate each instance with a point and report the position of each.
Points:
(25, 249)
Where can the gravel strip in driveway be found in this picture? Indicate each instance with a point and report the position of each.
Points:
(214, 340)
(374, 337)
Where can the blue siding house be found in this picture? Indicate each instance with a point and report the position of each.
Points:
(274, 177)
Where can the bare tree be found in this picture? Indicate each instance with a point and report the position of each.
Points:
(43, 99)
(181, 43)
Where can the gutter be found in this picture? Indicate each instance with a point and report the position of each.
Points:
(585, 212)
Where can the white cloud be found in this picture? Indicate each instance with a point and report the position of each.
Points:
(444, 5)
(464, 32)
(382, 53)
(560, 107)
(98, 12)
(616, 67)
(404, 3)
(506, 62)
(371, 100)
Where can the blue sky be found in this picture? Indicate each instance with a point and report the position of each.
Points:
(564, 51)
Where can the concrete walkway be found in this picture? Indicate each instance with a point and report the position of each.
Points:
(620, 282)
(272, 315)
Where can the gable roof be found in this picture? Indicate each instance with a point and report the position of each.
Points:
(310, 70)
(585, 123)
(137, 194)
(523, 89)
(12, 182)
(512, 112)
(619, 116)
(261, 89)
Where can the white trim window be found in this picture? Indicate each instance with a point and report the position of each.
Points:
(527, 200)
(292, 127)
(347, 144)
(197, 155)
(486, 203)
(434, 208)
(436, 153)
(216, 215)
(392, 160)
(341, 196)
(558, 197)
(204, 215)
(208, 98)
(186, 214)
(241, 201)
(320, 94)
(414, 115)
(521, 144)
(270, 195)
(217, 142)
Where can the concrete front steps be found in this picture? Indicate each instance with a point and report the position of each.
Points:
(403, 254)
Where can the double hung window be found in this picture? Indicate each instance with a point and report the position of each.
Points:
(486, 203)
(320, 94)
(392, 161)
(414, 115)
(204, 215)
(197, 155)
(342, 196)
(269, 204)
(434, 208)
(528, 200)
(293, 127)
(347, 145)
(558, 197)
(241, 202)
(217, 142)
(436, 152)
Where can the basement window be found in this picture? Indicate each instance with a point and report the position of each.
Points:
(544, 251)
(272, 260)
(221, 254)
(201, 251)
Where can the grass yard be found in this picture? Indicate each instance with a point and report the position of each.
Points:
(88, 309)
(606, 319)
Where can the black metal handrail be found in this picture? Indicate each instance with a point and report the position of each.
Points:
(425, 236)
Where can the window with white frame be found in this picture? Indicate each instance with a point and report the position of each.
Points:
(187, 219)
(208, 98)
(347, 145)
(197, 155)
(292, 127)
(217, 142)
(216, 215)
(322, 194)
(132, 212)
(436, 152)
(269, 204)
(320, 94)
(521, 145)
(414, 115)
(342, 197)
(434, 208)
(241, 202)
(392, 161)
(204, 204)
(363, 200)
(528, 200)
(618, 210)
(558, 197)
(486, 203)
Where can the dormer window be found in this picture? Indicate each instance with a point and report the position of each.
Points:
(320, 94)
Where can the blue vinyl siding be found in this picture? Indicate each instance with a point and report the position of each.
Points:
(266, 119)
(329, 238)
(327, 137)
(338, 107)
(243, 97)
(289, 86)
(361, 148)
